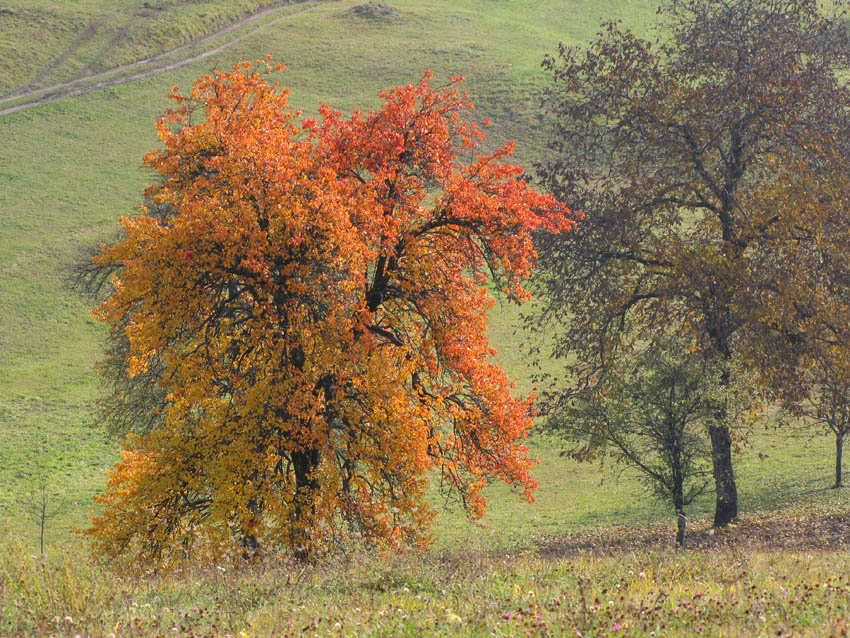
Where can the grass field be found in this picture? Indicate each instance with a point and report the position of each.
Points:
(637, 590)
(44, 42)
(70, 168)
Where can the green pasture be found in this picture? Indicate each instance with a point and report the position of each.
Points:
(71, 168)
(44, 42)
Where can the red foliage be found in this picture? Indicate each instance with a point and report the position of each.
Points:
(319, 300)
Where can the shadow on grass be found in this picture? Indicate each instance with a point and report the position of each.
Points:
(783, 493)
(813, 527)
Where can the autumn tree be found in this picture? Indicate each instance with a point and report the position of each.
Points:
(649, 414)
(817, 386)
(315, 312)
(673, 149)
(127, 403)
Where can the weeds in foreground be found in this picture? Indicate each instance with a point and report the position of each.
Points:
(719, 589)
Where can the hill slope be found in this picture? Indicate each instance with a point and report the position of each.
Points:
(43, 42)
(70, 168)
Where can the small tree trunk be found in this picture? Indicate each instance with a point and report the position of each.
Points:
(726, 507)
(681, 523)
(678, 503)
(249, 539)
(42, 522)
(839, 448)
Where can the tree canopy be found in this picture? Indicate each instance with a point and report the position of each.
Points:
(315, 312)
(709, 167)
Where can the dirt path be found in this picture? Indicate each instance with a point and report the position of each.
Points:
(149, 66)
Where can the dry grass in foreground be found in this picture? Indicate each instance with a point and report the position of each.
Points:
(783, 574)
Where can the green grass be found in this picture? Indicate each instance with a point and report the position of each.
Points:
(70, 169)
(43, 42)
(741, 592)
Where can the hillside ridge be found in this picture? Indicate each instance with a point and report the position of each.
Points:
(77, 86)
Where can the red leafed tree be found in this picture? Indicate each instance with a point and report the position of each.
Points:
(315, 311)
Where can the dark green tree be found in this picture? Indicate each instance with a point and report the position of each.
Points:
(651, 415)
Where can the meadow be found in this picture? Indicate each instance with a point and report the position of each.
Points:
(468, 593)
(47, 42)
(71, 168)
(593, 554)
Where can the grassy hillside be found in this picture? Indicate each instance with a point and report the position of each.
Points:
(44, 42)
(70, 168)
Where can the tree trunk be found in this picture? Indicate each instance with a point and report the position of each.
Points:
(42, 521)
(250, 542)
(678, 503)
(839, 448)
(726, 492)
(303, 464)
(681, 523)
(726, 507)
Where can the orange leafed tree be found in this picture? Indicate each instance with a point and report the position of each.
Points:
(316, 307)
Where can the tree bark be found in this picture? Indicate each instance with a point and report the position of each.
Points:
(726, 492)
(726, 507)
(303, 464)
(678, 503)
(681, 523)
(250, 543)
(839, 448)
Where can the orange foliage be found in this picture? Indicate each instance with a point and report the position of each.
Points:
(319, 301)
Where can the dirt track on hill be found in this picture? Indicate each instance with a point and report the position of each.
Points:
(149, 66)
